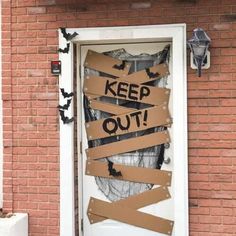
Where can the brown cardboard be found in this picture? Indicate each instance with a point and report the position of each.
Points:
(130, 216)
(98, 61)
(128, 145)
(142, 76)
(127, 123)
(109, 108)
(124, 90)
(127, 87)
(137, 201)
(131, 173)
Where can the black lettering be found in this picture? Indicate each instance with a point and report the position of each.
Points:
(106, 123)
(145, 116)
(120, 89)
(121, 126)
(136, 115)
(144, 92)
(108, 87)
(133, 92)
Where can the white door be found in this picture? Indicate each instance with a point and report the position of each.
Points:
(91, 187)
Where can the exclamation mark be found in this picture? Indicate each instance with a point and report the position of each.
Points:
(145, 117)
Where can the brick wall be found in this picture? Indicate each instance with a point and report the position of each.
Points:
(30, 98)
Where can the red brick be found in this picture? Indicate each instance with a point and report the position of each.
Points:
(46, 18)
(221, 211)
(229, 203)
(210, 219)
(141, 5)
(36, 10)
(46, 2)
(223, 26)
(26, 19)
(36, 26)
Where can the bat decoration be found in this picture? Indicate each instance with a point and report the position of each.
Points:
(64, 118)
(121, 66)
(65, 94)
(66, 49)
(66, 106)
(161, 155)
(113, 171)
(68, 36)
(150, 74)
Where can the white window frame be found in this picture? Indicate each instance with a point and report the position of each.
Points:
(176, 33)
(1, 129)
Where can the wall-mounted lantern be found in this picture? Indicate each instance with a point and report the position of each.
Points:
(200, 56)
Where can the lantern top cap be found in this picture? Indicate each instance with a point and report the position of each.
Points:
(199, 37)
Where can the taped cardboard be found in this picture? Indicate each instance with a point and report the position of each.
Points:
(130, 173)
(148, 74)
(109, 108)
(121, 89)
(141, 76)
(106, 64)
(130, 216)
(132, 88)
(146, 198)
(127, 123)
(128, 145)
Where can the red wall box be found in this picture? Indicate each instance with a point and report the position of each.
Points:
(30, 98)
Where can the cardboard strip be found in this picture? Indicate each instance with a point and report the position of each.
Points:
(143, 76)
(109, 65)
(121, 89)
(130, 216)
(137, 201)
(148, 74)
(130, 173)
(128, 145)
(129, 122)
(109, 108)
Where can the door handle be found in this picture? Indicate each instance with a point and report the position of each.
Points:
(167, 161)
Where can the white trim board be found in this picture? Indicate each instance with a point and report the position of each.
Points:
(175, 33)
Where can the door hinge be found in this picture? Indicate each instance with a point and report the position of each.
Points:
(80, 147)
(82, 224)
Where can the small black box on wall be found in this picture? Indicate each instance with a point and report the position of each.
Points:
(56, 67)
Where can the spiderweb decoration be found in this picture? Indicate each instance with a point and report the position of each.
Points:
(115, 189)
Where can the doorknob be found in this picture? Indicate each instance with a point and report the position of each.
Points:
(167, 160)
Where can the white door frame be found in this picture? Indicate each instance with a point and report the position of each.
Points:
(175, 33)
